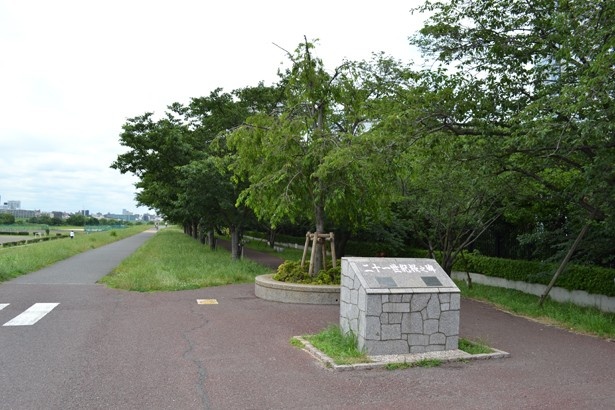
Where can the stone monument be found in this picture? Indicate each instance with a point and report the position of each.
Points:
(399, 305)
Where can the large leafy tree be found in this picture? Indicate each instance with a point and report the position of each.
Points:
(156, 150)
(535, 77)
(6, 218)
(183, 163)
(310, 157)
(209, 183)
(449, 195)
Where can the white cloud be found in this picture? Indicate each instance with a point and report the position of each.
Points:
(72, 72)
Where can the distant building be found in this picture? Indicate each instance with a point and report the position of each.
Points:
(128, 218)
(20, 213)
(11, 205)
(58, 214)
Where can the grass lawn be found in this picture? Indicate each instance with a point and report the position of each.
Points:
(172, 260)
(567, 315)
(342, 349)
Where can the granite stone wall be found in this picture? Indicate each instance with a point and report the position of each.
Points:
(398, 321)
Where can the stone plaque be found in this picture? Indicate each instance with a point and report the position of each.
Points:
(387, 281)
(431, 281)
(399, 273)
(399, 305)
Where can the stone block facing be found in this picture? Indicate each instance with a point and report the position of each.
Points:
(413, 318)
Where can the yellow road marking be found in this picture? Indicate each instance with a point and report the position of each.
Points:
(207, 301)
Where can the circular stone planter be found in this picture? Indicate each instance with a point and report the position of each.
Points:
(269, 289)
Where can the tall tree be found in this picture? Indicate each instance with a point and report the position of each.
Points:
(308, 158)
(182, 160)
(212, 118)
(156, 149)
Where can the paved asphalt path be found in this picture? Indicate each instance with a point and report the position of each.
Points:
(108, 349)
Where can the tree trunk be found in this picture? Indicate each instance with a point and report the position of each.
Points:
(211, 239)
(195, 229)
(202, 234)
(271, 234)
(469, 278)
(564, 263)
(447, 262)
(235, 246)
(317, 262)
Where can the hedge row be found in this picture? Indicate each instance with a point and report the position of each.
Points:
(592, 279)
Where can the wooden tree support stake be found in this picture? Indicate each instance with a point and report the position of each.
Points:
(314, 237)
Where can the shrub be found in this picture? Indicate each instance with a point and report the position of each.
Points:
(291, 271)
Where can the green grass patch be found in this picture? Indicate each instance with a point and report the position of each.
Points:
(398, 366)
(428, 363)
(296, 342)
(474, 347)
(567, 315)
(418, 363)
(172, 260)
(341, 348)
(17, 261)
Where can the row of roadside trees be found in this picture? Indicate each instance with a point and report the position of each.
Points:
(512, 124)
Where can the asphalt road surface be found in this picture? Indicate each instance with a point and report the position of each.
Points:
(91, 347)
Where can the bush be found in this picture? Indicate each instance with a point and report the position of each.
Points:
(291, 271)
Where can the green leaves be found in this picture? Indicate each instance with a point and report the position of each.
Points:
(311, 157)
(535, 78)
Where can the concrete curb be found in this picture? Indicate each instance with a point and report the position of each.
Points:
(379, 362)
(267, 288)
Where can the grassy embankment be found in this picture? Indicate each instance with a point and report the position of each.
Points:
(173, 261)
(19, 260)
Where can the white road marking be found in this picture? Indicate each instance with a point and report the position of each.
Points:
(3, 305)
(32, 315)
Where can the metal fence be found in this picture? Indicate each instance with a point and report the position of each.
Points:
(102, 228)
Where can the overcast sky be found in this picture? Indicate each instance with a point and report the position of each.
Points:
(72, 72)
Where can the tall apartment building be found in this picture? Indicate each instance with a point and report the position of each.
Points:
(13, 205)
